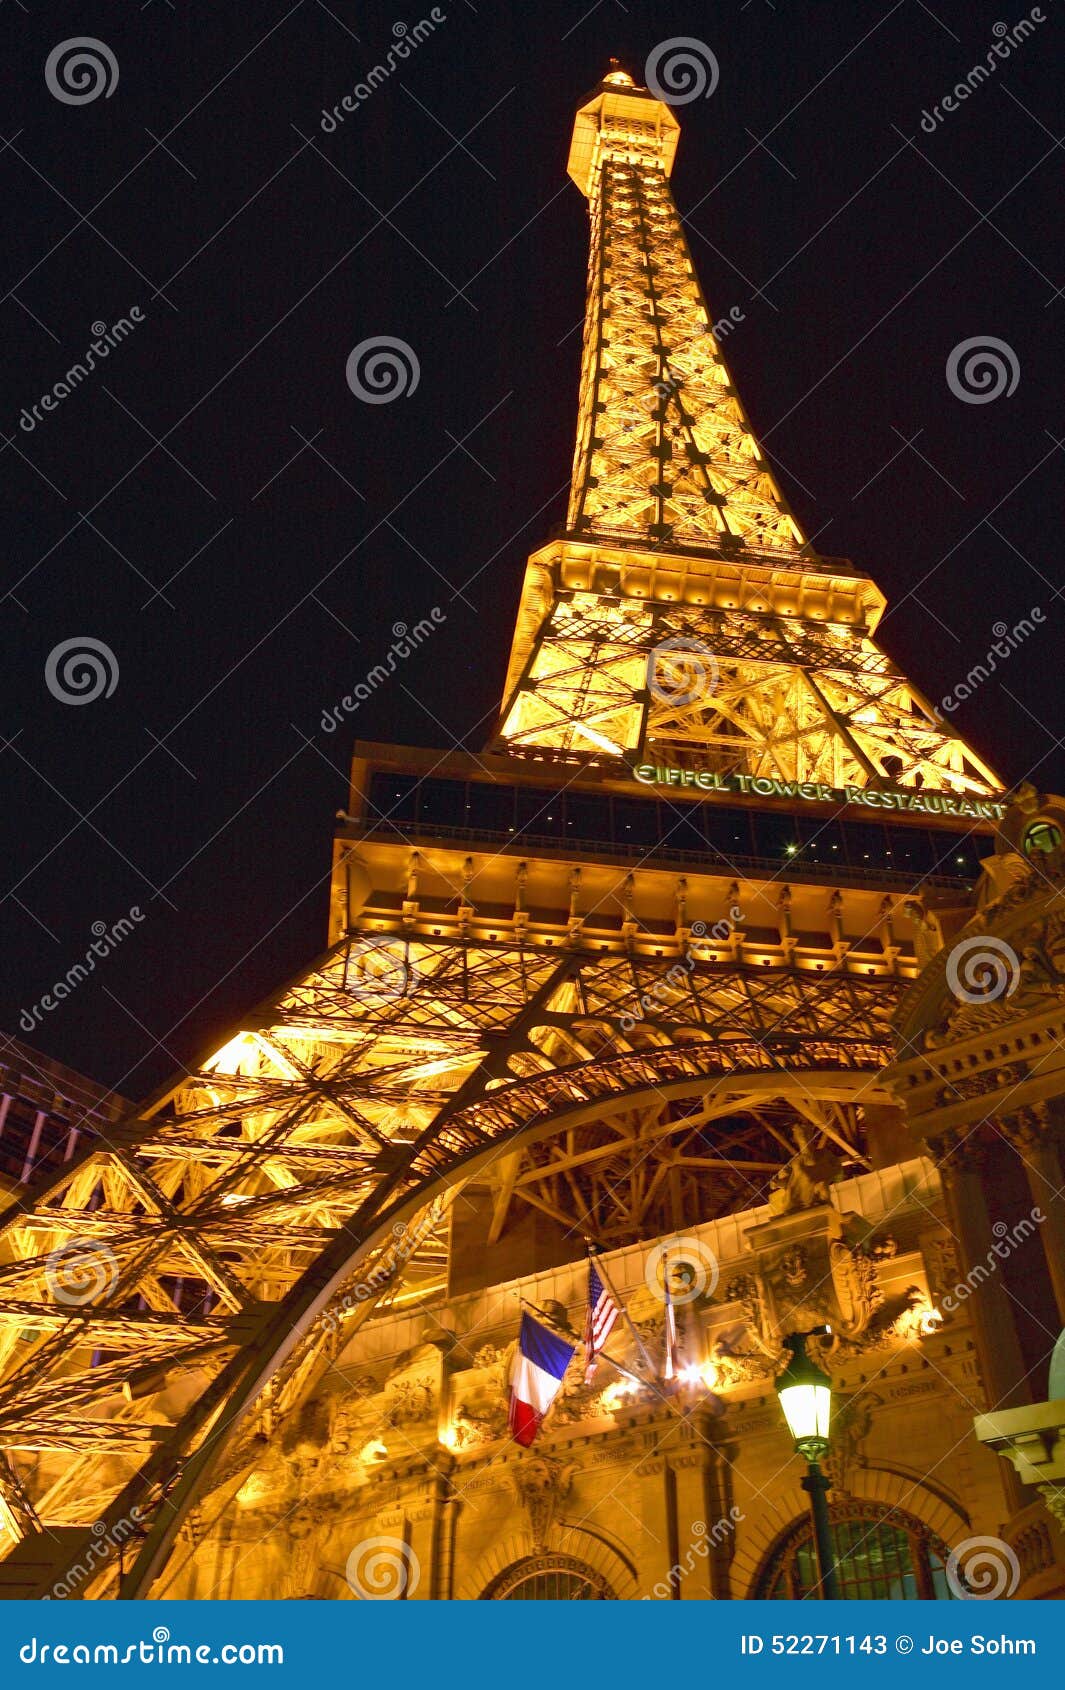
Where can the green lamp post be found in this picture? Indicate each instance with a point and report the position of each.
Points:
(805, 1394)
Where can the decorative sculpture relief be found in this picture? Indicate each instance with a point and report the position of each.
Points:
(542, 1485)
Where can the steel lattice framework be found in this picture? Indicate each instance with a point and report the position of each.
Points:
(733, 691)
(168, 1296)
(358, 1100)
(664, 450)
(739, 648)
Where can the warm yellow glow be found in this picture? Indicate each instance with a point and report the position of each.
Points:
(598, 739)
(240, 1056)
(806, 1410)
(616, 1394)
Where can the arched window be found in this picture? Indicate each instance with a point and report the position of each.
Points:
(549, 1578)
(881, 1554)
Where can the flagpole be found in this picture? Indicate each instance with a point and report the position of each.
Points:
(601, 1355)
(670, 1324)
(551, 1319)
(593, 1251)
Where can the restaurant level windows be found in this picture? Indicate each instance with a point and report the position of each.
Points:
(539, 812)
(394, 797)
(490, 808)
(913, 850)
(959, 854)
(442, 802)
(587, 816)
(868, 846)
(821, 840)
(728, 830)
(636, 821)
(776, 836)
(680, 829)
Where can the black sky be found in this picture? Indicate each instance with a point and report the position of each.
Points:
(261, 251)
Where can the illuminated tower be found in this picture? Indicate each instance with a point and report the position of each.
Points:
(607, 978)
(683, 619)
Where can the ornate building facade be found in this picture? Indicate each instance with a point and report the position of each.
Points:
(691, 963)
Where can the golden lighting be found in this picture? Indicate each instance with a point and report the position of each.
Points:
(598, 739)
(615, 1395)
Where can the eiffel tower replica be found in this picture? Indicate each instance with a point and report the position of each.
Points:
(605, 979)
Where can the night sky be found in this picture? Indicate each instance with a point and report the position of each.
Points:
(215, 506)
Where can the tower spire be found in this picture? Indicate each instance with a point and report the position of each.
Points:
(684, 619)
(664, 453)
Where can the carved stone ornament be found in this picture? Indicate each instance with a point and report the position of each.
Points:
(941, 1265)
(733, 1365)
(412, 1390)
(805, 1181)
(811, 1268)
(542, 1485)
(852, 1422)
(1027, 982)
(1054, 1498)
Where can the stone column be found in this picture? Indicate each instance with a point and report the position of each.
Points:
(695, 1524)
(421, 1511)
(1031, 1134)
(997, 1346)
(656, 1547)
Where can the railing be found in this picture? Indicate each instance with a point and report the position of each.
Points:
(794, 868)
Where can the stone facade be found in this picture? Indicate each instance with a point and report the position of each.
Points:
(397, 1478)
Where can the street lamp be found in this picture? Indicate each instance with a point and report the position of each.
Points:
(805, 1394)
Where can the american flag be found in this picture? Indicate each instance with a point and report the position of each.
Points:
(602, 1313)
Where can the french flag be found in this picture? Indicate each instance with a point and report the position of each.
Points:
(535, 1377)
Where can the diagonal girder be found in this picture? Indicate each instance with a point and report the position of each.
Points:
(201, 1290)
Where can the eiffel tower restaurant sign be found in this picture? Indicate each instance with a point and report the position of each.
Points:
(814, 792)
